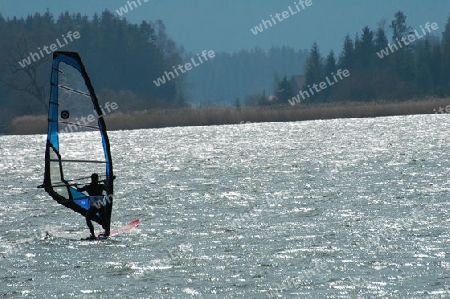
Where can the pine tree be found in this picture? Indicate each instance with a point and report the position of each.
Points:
(284, 91)
(346, 58)
(314, 73)
(399, 27)
(381, 43)
(404, 61)
(365, 48)
(330, 63)
(330, 69)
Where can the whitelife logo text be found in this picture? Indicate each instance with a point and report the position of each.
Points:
(53, 47)
(187, 67)
(411, 38)
(266, 24)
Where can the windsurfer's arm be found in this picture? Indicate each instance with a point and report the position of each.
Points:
(80, 189)
(105, 182)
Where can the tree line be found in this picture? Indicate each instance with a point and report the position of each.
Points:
(381, 69)
(121, 59)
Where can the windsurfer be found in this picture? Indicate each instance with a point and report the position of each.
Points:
(95, 191)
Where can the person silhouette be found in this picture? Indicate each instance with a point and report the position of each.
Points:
(97, 205)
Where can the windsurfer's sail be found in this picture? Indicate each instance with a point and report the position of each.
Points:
(77, 142)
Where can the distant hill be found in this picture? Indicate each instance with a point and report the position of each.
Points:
(238, 75)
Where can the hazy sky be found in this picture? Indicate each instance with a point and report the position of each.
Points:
(225, 25)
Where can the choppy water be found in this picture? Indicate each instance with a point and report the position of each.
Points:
(352, 208)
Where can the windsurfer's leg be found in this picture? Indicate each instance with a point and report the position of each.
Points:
(105, 222)
(89, 214)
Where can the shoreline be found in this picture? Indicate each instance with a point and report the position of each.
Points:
(206, 116)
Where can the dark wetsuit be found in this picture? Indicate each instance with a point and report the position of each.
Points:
(96, 190)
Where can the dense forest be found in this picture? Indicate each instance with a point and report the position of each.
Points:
(414, 63)
(121, 59)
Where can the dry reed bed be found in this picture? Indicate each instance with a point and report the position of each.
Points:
(230, 115)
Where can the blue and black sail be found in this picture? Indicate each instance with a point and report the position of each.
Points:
(77, 141)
